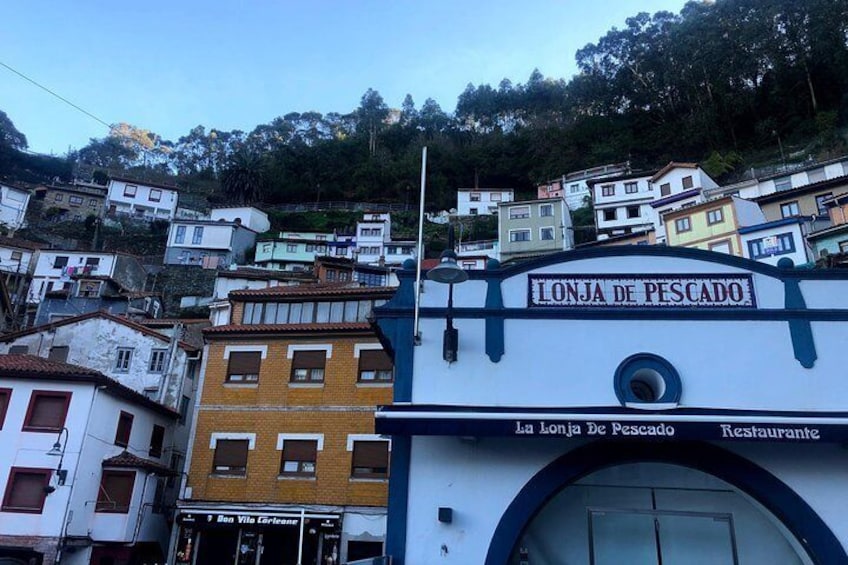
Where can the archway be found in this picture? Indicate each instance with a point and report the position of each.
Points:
(738, 480)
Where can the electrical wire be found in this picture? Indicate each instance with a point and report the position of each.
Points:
(63, 99)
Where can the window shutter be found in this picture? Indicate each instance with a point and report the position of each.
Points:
(156, 440)
(372, 454)
(115, 492)
(374, 360)
(309, 359)
(231, 453)
(244, 363)
(19, 350)
(300, 450)
(48, 412)
(122, 434)
(27, 490)
(58, 353)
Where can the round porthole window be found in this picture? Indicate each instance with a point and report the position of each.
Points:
(648, 381)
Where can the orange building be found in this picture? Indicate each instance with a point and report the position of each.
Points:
(284, 463)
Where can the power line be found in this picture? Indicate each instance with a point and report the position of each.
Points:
(63, 99)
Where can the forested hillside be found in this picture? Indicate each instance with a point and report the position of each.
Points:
(731, 83)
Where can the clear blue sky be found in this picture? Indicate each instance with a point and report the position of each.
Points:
(168, 66)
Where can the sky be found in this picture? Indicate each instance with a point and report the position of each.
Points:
(170, 65)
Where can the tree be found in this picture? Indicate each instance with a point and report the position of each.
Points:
(9, 135)
(371, 117)
(243, 179)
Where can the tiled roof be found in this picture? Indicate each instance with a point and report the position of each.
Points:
(288, 328)
(672, 165)
(128, 460)
(99, 314)
(264, 274)
(164, 322)
(20, 365)
(306, 290)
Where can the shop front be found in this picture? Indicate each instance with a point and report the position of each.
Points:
(631, 405)
(210, 537)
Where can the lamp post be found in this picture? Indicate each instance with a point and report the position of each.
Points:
(58, 450)
(448, 272)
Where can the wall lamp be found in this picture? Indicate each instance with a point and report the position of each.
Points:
(449, 273)
(58, 450)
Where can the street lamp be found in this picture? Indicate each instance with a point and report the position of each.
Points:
(449, 273)
(58, 450)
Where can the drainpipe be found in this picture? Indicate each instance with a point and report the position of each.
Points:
(300, 541)
(141, 506)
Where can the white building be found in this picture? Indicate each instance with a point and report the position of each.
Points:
(481, 201)
(574, 187)
(622, 203)
(700, 413)
(13, 206)
(141, 199)
(227, 281)
(105, 495)
(374, 243)
(770, 242)
(677, 185)
(218, 241)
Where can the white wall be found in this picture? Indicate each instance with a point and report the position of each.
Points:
(13, 206)
(486, 205)
(215, 236)
(165, 208)
(250, 217)
(46, 277)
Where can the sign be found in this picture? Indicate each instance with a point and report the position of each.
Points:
(201, 519)
(610, 428)
(641, 291)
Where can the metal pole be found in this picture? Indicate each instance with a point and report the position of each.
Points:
(416, 337)
(300, 545)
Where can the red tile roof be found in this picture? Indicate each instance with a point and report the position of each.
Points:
(340, 290)
(27, 365)
(289, 328)
(672, 165)
(128, 460)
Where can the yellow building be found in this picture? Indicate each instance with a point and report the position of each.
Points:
(284, 465)
(712, 225)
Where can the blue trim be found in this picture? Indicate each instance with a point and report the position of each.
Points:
(629, 367)
(811, 532)
(675, 198)
(800, 330)
(772, 224)
(398, 499)
(542, 411)
(495, 346)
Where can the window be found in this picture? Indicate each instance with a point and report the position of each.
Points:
(495, 197)
(58, 353)
(197, 235)
(155, 195)
(820, 205)
(608, 190)
(632, 212)
(609, 215)
(5, 396)
(230, 457)
(519, 212)
(665, 189)
(770, 246)
(19, 350)
(546, 210)
(115, 494)
(519, 235)
(88, 289)
(682, 224)
(715, 216)
(308, 366)
(179, 237)
(47, 411)
(575, 188)
(782, 184)
(157, 361)
(310, 248)
(130, 190)
(631, 188)
(375, 366)
(546, 234)
(370, 460)
(360, 550)
(243, 366)
(687, 182)
(59, 197)
(75, 200)
(185, 402)
(123, 359)
(25, 490)
(843, 246)
(291, 248)
(92, 262)
(790, 209)
(60, 262)
(299, 457)
(16, 256)
(92, 203)
(474, 197)
(721, 247)
(157, 438)
(816, 175)
(122, 433)
(473, 211)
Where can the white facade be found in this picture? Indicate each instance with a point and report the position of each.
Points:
(664, 430)
(675, 186)
(622, 204)
(142, 200)
(770, 242)
(250, 217)
(54, 268)
(13, 206)
(802, 177)
(374, 244)
(74, 509)
(481, 201)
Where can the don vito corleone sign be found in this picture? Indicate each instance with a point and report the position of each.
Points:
(641, 291)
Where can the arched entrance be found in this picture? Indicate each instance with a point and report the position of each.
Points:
(659, 503)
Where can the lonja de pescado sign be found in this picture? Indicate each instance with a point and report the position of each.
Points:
(641, 291)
